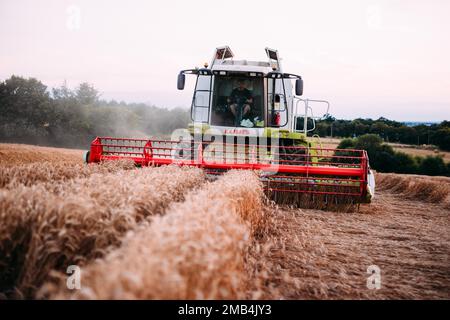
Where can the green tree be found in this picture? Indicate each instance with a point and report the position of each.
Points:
(405, 163)
(369, 142)
(433, 166)
(442, 138)
(25, 107)
(346, 144)
(381, 156)
(86, 94)
(62, 92)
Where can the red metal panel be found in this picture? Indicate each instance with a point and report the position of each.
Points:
(340, 168)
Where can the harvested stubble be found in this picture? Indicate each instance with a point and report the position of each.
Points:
(43, 231)
(195, 251)
(49, 172)
(311, 254)
(423, 188)
(325, 202)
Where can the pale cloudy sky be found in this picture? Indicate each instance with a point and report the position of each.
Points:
(369, 58)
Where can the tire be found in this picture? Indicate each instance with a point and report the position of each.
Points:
(86, 156)
(292, 156)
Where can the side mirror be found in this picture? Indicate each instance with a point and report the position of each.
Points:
(299, 87)
(181, 81)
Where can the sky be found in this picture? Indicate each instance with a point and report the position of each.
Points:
(368, 58)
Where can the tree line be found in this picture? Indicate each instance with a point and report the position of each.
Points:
(384, 158)
(390, 131)
(31, 113)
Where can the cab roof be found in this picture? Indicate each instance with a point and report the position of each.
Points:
(223, 60)
(243, 65)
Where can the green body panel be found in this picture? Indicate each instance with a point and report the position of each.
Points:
(268, 132)
(296, 138)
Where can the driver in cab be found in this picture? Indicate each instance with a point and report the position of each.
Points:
(240, 96)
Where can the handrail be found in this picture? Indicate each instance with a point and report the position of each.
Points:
(305, 116)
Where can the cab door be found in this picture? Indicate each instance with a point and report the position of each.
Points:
(201, 101)
(278, 98)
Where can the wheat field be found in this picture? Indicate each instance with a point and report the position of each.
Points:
(172, 233)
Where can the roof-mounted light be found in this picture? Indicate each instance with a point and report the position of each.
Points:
(274, 59)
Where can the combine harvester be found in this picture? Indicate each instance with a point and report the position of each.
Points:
(245, 115)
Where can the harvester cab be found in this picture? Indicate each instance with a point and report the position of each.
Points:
(250, 115)
(252, 98)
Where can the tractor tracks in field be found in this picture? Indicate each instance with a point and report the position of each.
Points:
(312, 254)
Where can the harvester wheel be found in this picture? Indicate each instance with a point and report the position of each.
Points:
(86, 156)
(293, 156)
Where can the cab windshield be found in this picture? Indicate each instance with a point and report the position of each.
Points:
(238, 101)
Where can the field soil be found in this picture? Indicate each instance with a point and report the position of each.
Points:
(312, 254)
(170, 233)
